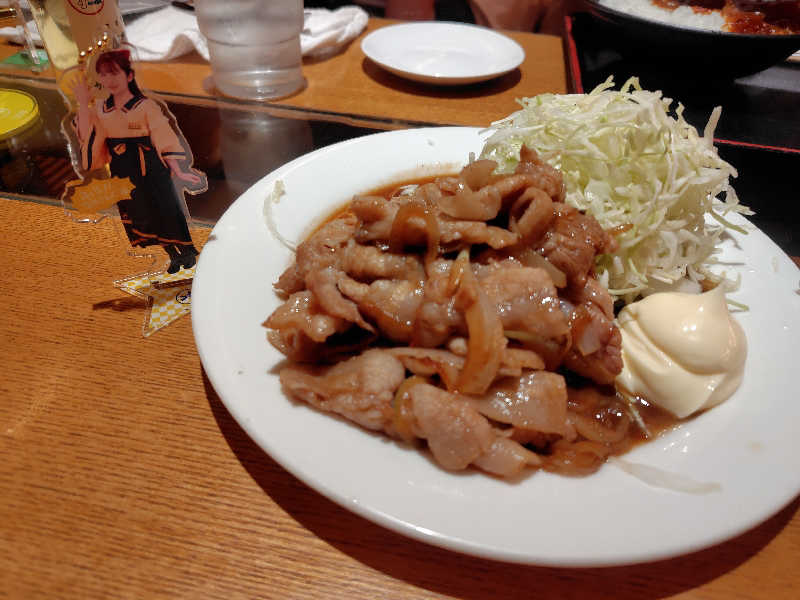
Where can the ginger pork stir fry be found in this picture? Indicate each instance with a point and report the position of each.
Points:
(452, 314)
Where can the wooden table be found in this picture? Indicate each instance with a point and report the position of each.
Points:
(123, 475)
(349, 86)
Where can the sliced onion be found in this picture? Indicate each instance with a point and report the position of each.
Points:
(579, 458)
(531, 258)
(486, 341)
(471, 205)
(531, 215)
(585, 335)
(665, 479)
(589, 428)
(506, 458)
(476, 174)
(457, 269)
(274, 197)
(399, 234)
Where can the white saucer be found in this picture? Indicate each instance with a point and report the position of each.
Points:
(443, 53)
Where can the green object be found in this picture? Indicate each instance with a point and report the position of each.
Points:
(23, 59)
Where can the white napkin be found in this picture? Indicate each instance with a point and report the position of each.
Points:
(166, 34)
(325, 31)
(171, 32)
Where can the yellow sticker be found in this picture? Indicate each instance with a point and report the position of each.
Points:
(94, 195)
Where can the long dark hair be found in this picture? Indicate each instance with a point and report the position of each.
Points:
(118, 60)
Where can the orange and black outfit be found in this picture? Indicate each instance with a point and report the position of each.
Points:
(135, 140)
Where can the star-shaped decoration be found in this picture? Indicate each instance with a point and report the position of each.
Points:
(168, 297)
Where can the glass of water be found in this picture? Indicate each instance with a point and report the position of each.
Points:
(254, 46)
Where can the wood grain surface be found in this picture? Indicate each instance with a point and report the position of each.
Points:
(123, 475)
(350, 86)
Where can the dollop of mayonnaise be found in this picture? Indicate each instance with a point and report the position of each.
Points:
(682, 352)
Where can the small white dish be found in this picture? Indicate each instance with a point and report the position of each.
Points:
(747, 445)
(443, 53)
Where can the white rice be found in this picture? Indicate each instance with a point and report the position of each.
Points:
(683, 16)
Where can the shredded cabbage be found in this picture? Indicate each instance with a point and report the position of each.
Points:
(643, 173)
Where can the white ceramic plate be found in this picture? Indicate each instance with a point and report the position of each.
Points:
(747, 445)
(443, 53)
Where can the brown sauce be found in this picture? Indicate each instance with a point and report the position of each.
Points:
(698, 6)
(385, 191)
(775, 18)
(781, 17)
(391, 189)
(627, 425)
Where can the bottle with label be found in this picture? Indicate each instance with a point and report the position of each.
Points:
(74, 29)
(75, 33)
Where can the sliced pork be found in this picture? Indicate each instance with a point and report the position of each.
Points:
(360, 388)
(455, 311)
(320, 250)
